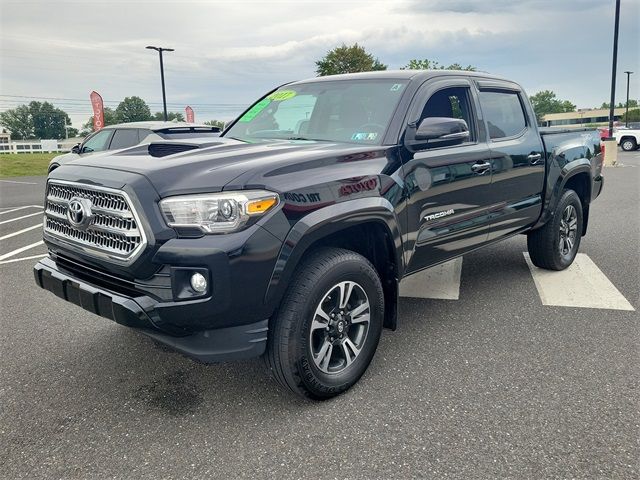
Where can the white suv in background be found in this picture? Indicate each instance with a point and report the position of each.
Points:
(125, 135)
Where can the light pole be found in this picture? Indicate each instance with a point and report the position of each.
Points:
(610, 147)
(626, 113)
(164, 97)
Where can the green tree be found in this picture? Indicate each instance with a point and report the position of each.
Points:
(48, 121)
(634, 115)
(426, 64)
(18, 121)
(35, 120)
(545, 102)
(632, 104)
(132, 109)
(171, 116)
(347, 59)
(109, 119)
(215, 123)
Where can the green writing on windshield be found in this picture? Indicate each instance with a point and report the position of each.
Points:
(282, 95)
(255, 110)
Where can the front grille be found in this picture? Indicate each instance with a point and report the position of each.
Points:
(109, 226)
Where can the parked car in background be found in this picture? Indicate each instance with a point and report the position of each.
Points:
(125, 135)
(627, 138)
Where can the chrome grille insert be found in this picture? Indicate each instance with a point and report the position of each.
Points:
(111, 228)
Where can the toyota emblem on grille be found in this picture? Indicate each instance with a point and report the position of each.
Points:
(79, 212)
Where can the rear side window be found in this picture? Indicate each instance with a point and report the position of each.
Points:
(503, 113)
(124, 138)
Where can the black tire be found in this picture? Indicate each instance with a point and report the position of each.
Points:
(628, 144)
(544, 244)
(291, 341)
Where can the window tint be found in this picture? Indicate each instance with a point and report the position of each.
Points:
(354, 111)
(503, 113)
(451, 103)
(124, 138)
(97, 142)
(143, 133)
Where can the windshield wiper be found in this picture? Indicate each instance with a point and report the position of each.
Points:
(309, 139)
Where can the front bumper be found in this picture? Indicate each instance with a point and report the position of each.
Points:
(210, 345)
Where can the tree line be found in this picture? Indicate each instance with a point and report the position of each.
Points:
(44, 120)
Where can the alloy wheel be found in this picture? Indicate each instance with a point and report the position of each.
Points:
(339, 328)
(568, 230)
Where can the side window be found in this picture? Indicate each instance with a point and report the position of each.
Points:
(503, 113)
(452, 102)
(124, 138)
(143, 133)
(98, 142)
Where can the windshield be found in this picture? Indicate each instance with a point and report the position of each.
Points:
(354, 111)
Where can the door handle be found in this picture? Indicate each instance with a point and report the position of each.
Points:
(480, 167)
(534, 158)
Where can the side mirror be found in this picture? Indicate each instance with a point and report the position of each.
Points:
(433, 130)
(75, 148)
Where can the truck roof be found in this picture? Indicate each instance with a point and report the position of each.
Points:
(400, 74)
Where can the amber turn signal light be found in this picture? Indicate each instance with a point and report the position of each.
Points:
(261, 206)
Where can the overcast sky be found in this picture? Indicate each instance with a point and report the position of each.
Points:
(230, 52)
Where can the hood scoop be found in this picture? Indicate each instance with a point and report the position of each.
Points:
(166, 149)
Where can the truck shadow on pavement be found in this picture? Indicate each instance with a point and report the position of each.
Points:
(129, 368)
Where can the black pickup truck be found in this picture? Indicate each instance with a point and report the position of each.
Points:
(288, 237)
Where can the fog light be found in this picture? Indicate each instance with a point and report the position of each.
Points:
(198, 283)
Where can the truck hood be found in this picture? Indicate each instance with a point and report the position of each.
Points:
(226, 162)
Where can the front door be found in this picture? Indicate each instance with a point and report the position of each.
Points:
(447, 187)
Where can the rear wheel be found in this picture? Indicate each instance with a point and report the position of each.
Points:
(328, 327)
(555, 245)
(628, 144)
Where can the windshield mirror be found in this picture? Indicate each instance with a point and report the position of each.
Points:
(353, 111)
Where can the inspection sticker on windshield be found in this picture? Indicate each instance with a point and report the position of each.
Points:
(364, 136)
(255, 110)
(282, 95)
(395, 87)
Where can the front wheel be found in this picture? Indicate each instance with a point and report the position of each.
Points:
(555, 245)
(327, 330)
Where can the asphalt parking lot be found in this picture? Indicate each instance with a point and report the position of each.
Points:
(489, 377)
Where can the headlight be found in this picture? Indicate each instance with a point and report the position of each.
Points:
(222, 212)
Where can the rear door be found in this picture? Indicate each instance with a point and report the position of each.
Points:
(517, 158)
(447, 187)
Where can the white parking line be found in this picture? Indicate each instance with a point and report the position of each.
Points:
(21, 231)
(581, 285)
(24, 258)
(14, 181)
(20, 250)
(20, 218)
(441, 282)
(19, 208)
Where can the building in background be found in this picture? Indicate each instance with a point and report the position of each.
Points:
(581, 118)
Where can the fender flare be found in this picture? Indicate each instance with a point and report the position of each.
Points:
(568, 171)
(324, 222)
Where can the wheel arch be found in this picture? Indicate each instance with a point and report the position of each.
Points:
(351, 225)
(628, 137)
(579, 180)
